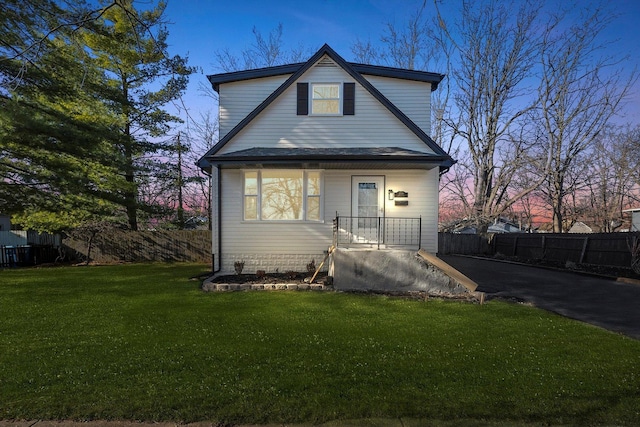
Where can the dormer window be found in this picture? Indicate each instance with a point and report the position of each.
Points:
(326, 99)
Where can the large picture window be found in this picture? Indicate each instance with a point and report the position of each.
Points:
(282, 195)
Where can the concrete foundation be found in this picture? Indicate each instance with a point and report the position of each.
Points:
(389, 270)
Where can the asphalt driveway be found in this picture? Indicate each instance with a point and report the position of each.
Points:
(602, 302)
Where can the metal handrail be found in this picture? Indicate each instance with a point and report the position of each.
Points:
(387, 231)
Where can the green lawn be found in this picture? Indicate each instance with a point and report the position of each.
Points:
(142, 342)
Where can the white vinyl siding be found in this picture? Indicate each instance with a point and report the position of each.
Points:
(372, 126)
(290, 237)
(411, 97)
(238, 99)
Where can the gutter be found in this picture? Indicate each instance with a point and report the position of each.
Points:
(219, 221)
(213, 261)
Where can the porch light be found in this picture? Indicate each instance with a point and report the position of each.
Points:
(390, 194)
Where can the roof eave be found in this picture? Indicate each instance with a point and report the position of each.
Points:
(235, 76)
(410, 162)
(374, 70)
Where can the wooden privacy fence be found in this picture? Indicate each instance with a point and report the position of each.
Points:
(601, 249)
(613, 249)
(463, 244)
(145, 246)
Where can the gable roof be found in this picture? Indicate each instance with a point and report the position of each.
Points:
(299, 69)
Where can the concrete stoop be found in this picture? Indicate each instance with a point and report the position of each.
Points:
(393, 270)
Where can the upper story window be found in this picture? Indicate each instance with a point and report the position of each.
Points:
(325, 98)
(328, 99)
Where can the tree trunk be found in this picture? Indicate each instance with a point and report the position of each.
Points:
(130, 193)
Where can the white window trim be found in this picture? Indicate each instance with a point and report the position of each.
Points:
(340, 99)
(305, 196)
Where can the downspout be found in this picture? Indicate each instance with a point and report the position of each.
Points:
(219, 222)
(213, 260)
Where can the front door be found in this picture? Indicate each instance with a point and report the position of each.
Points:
(367, 208)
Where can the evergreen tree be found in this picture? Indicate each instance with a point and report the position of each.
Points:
(56, 168)
(77, 115)
(131, 47)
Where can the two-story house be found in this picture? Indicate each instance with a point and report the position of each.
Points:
(318, 153)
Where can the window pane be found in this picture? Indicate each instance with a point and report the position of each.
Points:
(251, 207)
(325, 99)
(313, 208)
(313, 183)
(325, 107)
(327, 91)
(251, 183)
(368, 194)
(282, 195)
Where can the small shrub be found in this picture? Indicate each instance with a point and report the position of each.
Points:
(238, 266)
(261, 273)
(311, 267)
(291, 274)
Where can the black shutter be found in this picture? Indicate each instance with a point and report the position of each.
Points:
(349, 99)
(303, 99)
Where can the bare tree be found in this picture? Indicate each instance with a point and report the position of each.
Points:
(265, 51)
(203, 135)
(408, 46)
(579, 92)
(495, 46)
(365, 52)
(610, 183)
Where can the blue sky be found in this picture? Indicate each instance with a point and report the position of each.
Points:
(200, 27)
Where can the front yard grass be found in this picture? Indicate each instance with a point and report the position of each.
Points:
(142, 342)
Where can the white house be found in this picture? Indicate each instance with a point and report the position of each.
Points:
(304, 144)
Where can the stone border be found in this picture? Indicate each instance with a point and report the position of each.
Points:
(231, 287)
(478, 297)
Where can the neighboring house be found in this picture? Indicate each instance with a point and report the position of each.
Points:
(303, 144)
(5, 222)
(499, 225)
(505, 225)
(586, 227)
(635, 219)
(580, 227)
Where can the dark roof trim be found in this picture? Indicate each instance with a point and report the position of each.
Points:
(336, 155)
(399, 73)
(439, 160)
(236, 76)
(329, 158)
(373, 70)
(325, 50)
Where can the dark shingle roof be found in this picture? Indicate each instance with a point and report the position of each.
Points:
(333, 153)
(331, 158)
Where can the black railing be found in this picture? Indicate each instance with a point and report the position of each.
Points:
(22, 256)
(377, 231)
